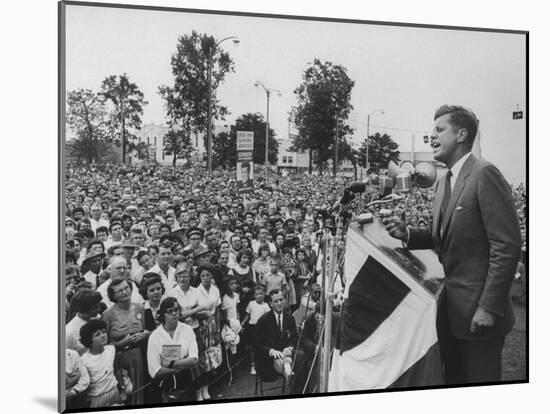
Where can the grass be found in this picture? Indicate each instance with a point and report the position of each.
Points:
(514, 354)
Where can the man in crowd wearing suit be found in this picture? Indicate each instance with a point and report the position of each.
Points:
(477, 238)
(275, 344)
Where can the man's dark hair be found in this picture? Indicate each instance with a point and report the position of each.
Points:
(100, 229)
(460, 118)
(274, 292)
(165, 226)
(78, 210)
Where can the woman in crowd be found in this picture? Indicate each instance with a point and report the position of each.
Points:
(302, 275)
(210, 354)
(288, 266)
(145, 262)
(246, 279)
(280, 240)
(246, 243)
(261, 265)
(125, 326)
(187, 296)
(152, 291)
(99, 361)
(172, 352)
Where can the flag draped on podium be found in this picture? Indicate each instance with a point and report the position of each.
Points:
(387, 336)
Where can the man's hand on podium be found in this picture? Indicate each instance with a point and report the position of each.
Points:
(397, 227)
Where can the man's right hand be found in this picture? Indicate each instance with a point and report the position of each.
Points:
(273, 353)
(396, 227)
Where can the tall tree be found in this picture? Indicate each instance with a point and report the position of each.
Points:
(128, 102)
(225, 144)
(86, 117)
(382, 150)
(323, 109)
(186, 102)
(178, 144)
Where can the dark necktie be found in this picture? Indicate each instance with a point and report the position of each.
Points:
(446, 194)
(279, 324)
(445, 200)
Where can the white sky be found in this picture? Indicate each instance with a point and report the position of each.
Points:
(407, 72)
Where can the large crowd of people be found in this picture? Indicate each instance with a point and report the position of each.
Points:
(172, 275)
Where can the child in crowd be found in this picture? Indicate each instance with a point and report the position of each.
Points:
(230, 314)
(275, 279)
(254, 311)
(99, 361)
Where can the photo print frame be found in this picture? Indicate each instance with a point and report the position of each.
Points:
(178, 274)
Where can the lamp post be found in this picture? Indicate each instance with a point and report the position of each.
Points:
(368, 131)
(209, 125)
(268, 94)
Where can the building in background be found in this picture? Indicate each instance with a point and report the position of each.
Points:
(291, 161)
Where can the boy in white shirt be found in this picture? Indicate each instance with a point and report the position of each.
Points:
(254, 311)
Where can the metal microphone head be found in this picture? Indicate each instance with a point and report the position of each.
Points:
(385, 186)
(403, 183)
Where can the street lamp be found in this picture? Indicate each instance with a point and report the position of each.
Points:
(368, 131)
(268, 93)
(209, 126)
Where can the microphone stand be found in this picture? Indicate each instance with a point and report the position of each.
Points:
(329, 270)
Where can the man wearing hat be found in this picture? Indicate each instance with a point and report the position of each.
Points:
(92, 262)
(86, 304)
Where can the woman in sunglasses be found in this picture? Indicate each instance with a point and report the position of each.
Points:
(172, 353)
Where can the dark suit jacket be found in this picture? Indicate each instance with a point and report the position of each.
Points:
(268, 336)
(479, 248)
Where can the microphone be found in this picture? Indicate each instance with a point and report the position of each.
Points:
(403, 183)
(358, 187)
(385, 186)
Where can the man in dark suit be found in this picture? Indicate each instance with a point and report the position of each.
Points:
(275, 343)
(477, 238)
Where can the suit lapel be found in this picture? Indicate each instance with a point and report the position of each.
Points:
(457, 191)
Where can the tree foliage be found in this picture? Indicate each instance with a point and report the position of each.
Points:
(225, 144)
(127, 109)
(186, 101)
(323, 104)
(382, 150)
(178, 144)
(86, 117)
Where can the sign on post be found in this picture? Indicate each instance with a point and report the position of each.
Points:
(517, 115)
(245, 166)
